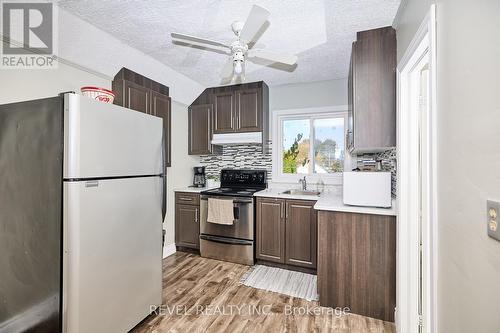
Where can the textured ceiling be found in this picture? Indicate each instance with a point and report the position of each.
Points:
(320, 33)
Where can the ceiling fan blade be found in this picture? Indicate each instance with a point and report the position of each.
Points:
(198, 40)
(227, 70)
(256, 19)
(288, 59)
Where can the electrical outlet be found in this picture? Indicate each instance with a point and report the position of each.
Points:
(493, 219)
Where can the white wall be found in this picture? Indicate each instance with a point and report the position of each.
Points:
(181, 172)
(21, 85)
(468, 112)
(308, 95)
(408, 20)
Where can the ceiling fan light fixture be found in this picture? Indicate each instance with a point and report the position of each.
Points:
(238, 67)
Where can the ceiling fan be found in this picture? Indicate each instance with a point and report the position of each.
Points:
(240, 49)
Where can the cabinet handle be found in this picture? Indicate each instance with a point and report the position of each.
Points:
(185, 199)
(196, 216)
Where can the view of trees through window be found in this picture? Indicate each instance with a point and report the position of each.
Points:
(327, 153)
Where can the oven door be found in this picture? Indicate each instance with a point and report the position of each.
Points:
(228, 249)
(242, 227)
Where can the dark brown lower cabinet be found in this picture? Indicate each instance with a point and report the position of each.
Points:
(287, 232)
(301, 233)
(187, 220)
(357, 263)
(270, 235)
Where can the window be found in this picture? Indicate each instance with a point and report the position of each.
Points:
(308, 143)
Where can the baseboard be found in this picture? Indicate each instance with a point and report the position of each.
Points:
(307, 270)
(168, 250)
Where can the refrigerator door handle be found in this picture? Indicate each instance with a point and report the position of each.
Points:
(163, 180)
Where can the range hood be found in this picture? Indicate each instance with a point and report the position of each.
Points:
(237, 138)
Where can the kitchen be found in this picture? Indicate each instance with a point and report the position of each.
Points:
(251, 219)
(245, 167)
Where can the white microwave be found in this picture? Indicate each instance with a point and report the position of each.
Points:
(369, 189)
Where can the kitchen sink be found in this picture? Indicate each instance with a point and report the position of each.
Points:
(301, 192)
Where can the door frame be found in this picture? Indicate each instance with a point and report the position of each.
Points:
(408, 145)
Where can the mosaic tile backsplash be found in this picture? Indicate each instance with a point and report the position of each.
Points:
(252, 157)
(238, 157)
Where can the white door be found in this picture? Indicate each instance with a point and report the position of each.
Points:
(105, 140)
(417, 179)
(112, 253)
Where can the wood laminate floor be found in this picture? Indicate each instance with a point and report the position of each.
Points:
(205, 295)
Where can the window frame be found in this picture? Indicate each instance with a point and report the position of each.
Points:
(279, 116)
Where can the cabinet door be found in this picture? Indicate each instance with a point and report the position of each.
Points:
(137, 97)
(249, 110)
(357, 263)
(271, 230)
(301, 233)
(200, 129)
(160, 107)
(187, 227)
(224, 113)
(374, 89)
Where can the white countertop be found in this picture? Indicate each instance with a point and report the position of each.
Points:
(333, 202)
(276, 193)
(192, 189)
(328, 201)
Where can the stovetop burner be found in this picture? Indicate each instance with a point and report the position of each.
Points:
(243, 183)
(232, 191)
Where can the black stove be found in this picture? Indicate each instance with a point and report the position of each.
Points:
(239, 183)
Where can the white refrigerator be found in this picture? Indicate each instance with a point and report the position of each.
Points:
(113, 197)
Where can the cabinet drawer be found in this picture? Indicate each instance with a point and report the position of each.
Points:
(186, 198)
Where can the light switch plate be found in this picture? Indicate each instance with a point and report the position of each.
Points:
(493, 219)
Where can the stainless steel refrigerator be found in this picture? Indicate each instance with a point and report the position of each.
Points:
(82, 201)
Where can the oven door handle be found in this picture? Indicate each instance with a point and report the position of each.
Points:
(225, 240)
(238, 201)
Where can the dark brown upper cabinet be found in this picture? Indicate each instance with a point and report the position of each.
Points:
(137, 97)
(372, 92)
(235, 109)
(224, 112)
(248, 110)
(161, 106)
(200, 129)
(142, 94)
(287, 232)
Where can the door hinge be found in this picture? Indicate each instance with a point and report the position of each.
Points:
(420, 321)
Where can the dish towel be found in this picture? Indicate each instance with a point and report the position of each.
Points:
(220, 211)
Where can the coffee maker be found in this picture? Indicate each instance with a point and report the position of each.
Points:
(199, 178)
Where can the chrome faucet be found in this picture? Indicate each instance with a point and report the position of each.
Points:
(304, 183)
